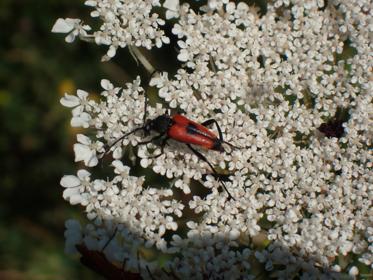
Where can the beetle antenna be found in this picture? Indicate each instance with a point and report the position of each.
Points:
(225, 188)
(145, 107)
(233, 146)
(122, 137)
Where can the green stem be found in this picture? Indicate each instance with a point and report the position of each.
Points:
(138, 56)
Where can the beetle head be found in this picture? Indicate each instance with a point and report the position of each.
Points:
(160, 124)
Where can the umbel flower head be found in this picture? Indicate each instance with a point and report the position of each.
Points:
(274, 80)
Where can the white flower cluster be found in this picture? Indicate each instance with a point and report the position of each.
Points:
(270, 81)
(125, 23)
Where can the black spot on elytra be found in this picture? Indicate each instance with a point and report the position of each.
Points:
(191, 129)
(218, 145)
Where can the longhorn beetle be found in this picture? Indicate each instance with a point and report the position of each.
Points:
(182, 129)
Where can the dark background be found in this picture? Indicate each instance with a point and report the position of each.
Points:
(36, 141)
(36, 68)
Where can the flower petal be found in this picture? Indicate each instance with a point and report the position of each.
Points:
(81, 120)
(105, 84)
(63, 26)
(82, 152)
(70, 101)
(83, 174)
(69, 181)
(92, 161)
(83, 139)
(82, 94)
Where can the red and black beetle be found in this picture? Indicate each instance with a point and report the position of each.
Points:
(182, 129)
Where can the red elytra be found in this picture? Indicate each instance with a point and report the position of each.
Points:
(190, 132)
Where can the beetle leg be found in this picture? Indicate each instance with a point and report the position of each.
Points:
(110, 239)
(151, 140)
(164, 143)
(145, 108)
(149, 272)
(133, 275)
(216, 174)
(211, 121)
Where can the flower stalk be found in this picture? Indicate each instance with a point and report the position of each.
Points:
(140, 57)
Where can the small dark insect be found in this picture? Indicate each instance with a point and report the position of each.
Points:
(182, 129)
(332, 129)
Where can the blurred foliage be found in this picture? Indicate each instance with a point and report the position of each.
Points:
(36, 139)
(36, 68)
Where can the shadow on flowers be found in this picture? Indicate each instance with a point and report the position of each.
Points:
(115, 252)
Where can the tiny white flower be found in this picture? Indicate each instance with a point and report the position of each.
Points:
(354, 271)
(84, 151)
(79, 104)
(70, 101)
(172, 7)
(234, 234)
(65, 25)
(73, 185)
(71, 26)
(183, 55)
